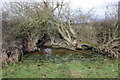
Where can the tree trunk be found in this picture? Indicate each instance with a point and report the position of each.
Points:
(31, 44)
(112, 48)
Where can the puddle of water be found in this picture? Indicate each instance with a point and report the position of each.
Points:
(63, 55)
(66, 62)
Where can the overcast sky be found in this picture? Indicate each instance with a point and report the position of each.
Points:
(91, 3)
(86, 5)
(98, 5)
(77, 3)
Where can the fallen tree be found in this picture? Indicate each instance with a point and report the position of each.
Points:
(31, 21)
(112, 48)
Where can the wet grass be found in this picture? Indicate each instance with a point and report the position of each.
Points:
(63, 65)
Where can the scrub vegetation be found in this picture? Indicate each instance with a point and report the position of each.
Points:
(48, 39)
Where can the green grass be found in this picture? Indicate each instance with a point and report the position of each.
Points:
(69, 65)
(0, 73)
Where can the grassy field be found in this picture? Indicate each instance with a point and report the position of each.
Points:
(63, 65)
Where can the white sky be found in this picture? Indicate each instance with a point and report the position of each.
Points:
(98, 5)
(84, 4)
(75, 3)
(91, 3)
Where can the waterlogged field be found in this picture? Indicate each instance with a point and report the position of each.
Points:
(86, 64)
